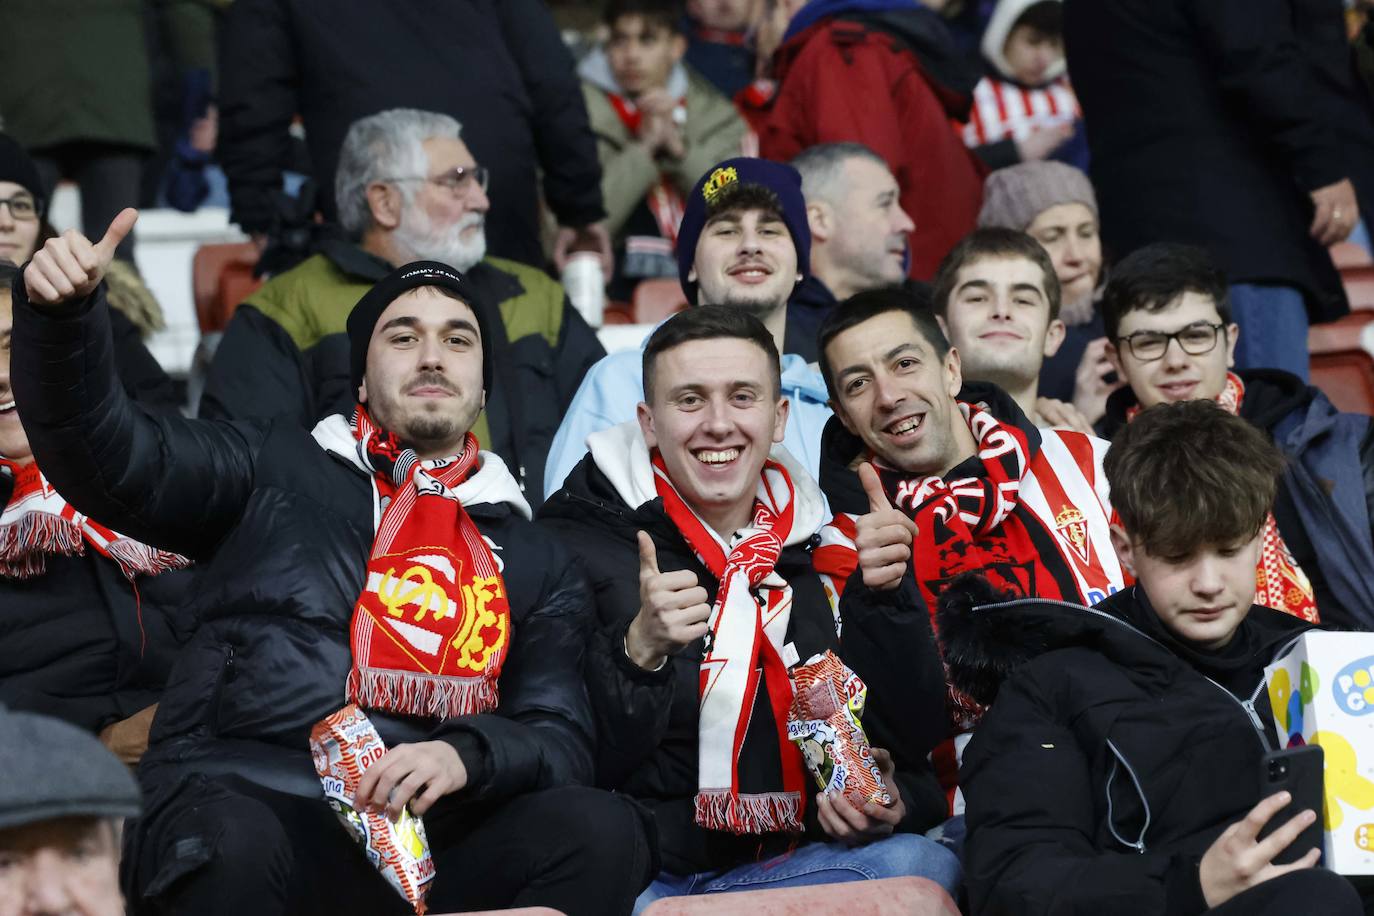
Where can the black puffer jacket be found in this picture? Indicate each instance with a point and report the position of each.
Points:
(647, 720)
(1107, 763)
(282, 529)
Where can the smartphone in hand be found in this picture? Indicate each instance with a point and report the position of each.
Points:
(1299, 771)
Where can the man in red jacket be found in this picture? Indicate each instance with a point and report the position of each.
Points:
(884, 73)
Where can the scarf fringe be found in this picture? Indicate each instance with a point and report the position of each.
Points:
(414, 693)
(24, 542)
(770, 812)
(136, 557)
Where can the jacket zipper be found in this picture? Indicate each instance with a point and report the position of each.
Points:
(1139, 844)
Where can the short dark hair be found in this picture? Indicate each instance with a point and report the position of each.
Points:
(1188, 475)
(1154, 277)
(1046, 17)
(994, 242)
(742, 196)
(709, 322)
(867, 305)
(662, 14)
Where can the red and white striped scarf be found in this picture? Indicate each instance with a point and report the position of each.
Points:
(432, 626)
(743, 647)
(37, 522)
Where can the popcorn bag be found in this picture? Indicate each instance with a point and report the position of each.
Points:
(344, 745)
(1322, 692)
(824, 722)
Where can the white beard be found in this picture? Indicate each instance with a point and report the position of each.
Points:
(418, 235)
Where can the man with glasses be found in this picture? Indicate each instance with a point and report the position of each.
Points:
(1172, 338)
(408, 188)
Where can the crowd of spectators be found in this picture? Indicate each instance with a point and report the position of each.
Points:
(989, 377)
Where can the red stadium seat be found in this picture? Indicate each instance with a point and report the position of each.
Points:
(1341, 364)
(221, 278)
(1359, 287)
(657, 299)
(618, 313)
(887, 897)
(1349, 254)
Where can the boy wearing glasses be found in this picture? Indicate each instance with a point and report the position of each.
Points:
(1172, 338)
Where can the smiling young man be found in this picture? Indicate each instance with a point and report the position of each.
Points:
(696, 527)
(1117, 767)
(997, 297)
(298, 534)
(743, 243)
(1172, 338)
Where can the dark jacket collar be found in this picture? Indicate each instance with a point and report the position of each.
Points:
(1270, 396)
(987, 634)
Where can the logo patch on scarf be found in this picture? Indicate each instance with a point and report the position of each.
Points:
(414, 599)
(719, 180)
(1072, 529)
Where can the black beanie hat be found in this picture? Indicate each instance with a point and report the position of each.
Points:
(362, 321)
(16, 166)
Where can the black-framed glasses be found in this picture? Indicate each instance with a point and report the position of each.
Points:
(22, 207)
(1195, 339)
(458, 180)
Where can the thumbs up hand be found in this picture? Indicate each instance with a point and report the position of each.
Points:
(68, 268)
(672, 610)
(884, 536)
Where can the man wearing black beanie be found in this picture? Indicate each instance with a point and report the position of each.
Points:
(381, 561)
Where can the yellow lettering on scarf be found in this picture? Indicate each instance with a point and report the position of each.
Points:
(426, 593)
(473, 652)
(1344, 784)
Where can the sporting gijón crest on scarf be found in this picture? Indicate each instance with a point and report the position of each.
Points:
(982, 521)
(743, 652)
(432, 626)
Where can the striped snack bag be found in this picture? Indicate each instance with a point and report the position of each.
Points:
(344, 745)
(824, 722)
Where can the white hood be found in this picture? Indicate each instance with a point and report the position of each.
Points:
(999, 27)
(492, 483)
(621, 453)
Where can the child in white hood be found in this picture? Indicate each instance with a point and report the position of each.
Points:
(1024, 108)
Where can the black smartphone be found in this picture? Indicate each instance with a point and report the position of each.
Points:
(1299, 770)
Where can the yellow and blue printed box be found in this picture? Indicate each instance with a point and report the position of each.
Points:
(1322, 692)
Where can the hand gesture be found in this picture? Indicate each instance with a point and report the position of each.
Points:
(1093, 382)
(1236, 861)
(672, 610)
(1334, 212)
(853, 826)
(68, 268)
(422, 773)
(884, 536)
(1059, 415)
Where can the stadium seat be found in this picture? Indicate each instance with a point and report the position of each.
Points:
(1350, 254)
(618, 313)
(1342, 364)
(657, 299)
(222, 277)
(1359, 287)
(886, 897)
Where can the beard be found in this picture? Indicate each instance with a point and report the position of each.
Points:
(423, 429)
(445, 244)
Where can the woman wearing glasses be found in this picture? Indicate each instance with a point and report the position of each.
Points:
(1172, 338)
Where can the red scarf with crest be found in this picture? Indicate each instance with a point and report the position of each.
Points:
(743, 654)
(432, 626)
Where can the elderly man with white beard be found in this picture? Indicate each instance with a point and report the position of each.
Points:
(407, 188)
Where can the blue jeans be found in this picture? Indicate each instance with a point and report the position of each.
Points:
(1273, 328)
(897, 856)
